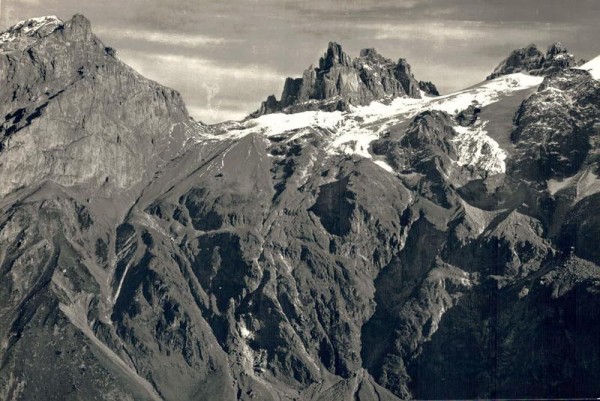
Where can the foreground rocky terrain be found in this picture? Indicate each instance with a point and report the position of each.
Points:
(362, 238)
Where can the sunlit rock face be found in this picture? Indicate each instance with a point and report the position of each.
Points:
(357, 239)
(339, 82)
(69, 113)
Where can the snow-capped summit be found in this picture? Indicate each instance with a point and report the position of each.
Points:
(29, 29)
(33, 24)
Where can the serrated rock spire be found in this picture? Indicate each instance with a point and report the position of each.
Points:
(340, 81)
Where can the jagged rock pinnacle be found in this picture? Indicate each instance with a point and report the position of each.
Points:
(334, 56)
(531, 60)
(340, 81)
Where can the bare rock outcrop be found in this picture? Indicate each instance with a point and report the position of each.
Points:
(340, 81)
(533, 61)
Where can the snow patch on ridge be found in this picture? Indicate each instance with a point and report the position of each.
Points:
(476, 148)
(245, 332)
(585, 183)
(276, 124)
(486, 93)
(593, 67)
(351, 139)
(30, 27)
(555, 186)
(385, 166)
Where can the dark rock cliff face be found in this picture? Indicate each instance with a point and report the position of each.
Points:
(160, 259)
(530, 59)
(340, 81)
(555, 141)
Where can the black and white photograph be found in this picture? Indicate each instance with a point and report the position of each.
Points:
(299, 200)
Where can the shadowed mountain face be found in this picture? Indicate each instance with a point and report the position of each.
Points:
(401, 246)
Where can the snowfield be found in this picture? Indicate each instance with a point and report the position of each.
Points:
(352, 132)
(593, 67)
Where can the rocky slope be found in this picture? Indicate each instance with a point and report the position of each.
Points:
(401, 246)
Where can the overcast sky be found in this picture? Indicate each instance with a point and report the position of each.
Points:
(226, 56)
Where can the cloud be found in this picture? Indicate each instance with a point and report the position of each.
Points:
(215, 114)
(352, 5)
(197, 66)
(456, 30)
(167, 38)
(213, 90)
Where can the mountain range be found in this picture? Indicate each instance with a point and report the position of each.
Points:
(361, 238)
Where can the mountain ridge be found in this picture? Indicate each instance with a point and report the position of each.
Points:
(535, 62)
(429, 248)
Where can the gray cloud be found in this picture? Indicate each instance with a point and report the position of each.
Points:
(159, 37)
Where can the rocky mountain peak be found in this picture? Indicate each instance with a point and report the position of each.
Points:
(531, 60)
(48, 71)
(79, 26)
(369, 52)
(334, 56)
(340, 82)
(26, 31)
(372, 57)
(555, 49)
